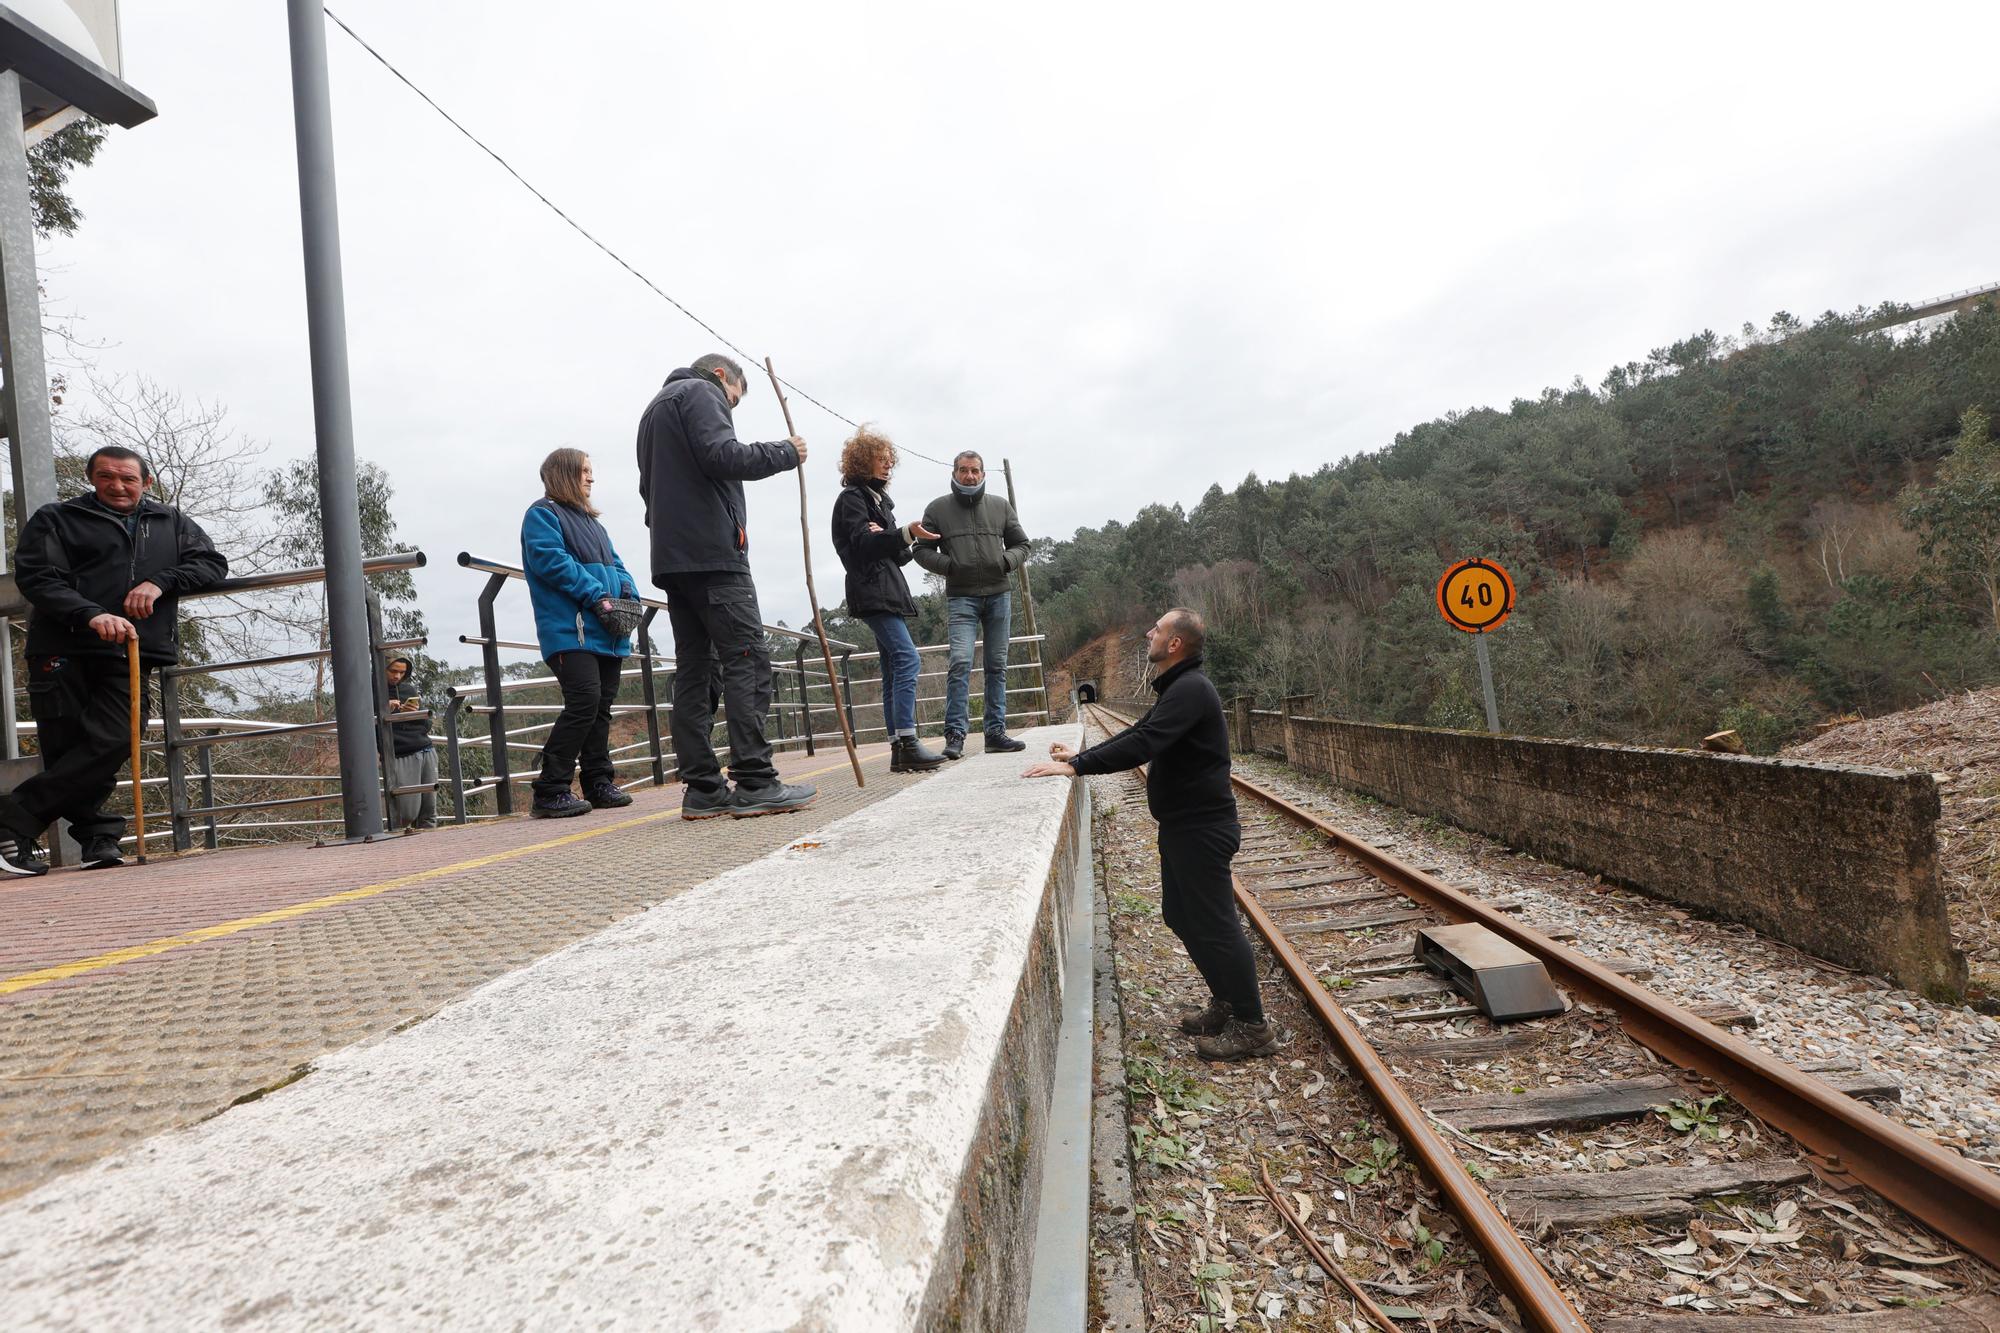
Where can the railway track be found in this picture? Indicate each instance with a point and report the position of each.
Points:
(1340, 915)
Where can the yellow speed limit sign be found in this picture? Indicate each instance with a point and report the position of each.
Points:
(1475, 596)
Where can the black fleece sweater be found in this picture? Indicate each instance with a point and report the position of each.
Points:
(1186, 740)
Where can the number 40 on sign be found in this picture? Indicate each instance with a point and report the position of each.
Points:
(1477, 596)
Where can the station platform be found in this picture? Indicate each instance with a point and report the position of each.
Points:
(805, 1092)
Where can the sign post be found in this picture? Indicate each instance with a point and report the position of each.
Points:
(1476, 596)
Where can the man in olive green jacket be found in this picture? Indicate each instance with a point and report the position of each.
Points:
(980, 544)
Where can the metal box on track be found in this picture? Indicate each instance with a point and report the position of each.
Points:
(1506, 981)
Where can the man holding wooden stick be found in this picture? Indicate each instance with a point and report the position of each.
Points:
(691, 474)
(101, 571)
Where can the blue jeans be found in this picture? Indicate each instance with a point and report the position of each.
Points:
(972, 617)
(899, 671)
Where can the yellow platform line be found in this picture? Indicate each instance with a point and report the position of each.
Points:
(63, 971)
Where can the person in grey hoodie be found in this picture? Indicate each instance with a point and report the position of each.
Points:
(980, 544)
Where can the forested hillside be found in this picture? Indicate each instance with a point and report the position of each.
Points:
(1751, 532)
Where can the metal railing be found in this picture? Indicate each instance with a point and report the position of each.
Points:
(181, 737)
(801, 714)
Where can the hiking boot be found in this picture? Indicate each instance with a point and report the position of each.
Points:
(1238, 1041)
(999, 742)
(776, 799)
(954, 744)
(565, 804)
(707, 802)
(101, 853)
(607, 796)
(20, 856)
(908, 755)
(1207, 1022)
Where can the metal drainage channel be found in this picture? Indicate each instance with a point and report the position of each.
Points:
(1842, 1136)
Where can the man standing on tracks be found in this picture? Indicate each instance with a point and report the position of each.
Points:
(691, 474)
(980, 544)
(99, 570)
(1186, 740)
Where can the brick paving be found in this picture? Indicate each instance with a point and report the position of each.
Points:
(138, 1042)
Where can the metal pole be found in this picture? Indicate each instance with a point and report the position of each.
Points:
(1486, 682)
(25, 397)
(805, 699)
(170, 727)
(333, 425)
(652, 696)
(1027, 593)
(496, 721)
(210, 839)
(454, 758)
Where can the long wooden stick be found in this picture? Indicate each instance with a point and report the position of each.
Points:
(138, 723)
(819, 626)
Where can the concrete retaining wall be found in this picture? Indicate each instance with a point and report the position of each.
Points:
(808, 1094)
(1839, 861)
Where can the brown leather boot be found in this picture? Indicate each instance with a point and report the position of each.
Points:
(1238, 1041)
(1207, 1022)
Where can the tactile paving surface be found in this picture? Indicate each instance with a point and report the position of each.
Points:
(92, 1062)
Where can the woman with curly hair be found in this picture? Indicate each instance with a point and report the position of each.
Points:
(874, 548)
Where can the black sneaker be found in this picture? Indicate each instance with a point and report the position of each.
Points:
(999, 742)
(101, 853)
(563, 805)
(20, 856)
(776, 799)
(1207, 1022)
(707, 803)
(608, 796)
(1238, 1040)
(954, 744)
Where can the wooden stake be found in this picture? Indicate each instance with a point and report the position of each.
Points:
(138, 723)
(819, 626)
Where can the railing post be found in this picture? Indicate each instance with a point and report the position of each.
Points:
(847, 690)
(453, 758)
(385, 736)
(805, 699)
(652, 696)
(210, 839)
(489, 652)
(170, 729)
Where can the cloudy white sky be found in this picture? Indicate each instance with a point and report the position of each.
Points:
(1136, 248)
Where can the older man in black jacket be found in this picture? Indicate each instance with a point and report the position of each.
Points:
(691, 474)
(98, 570)
(1186, 740)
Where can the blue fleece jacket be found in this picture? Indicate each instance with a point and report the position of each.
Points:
(571, 567)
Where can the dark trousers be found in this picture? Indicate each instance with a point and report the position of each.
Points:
(719, 652)
(1198, 904)
(82, 708)
(589, 688)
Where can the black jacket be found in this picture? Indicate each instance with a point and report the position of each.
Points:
(980, 544)
(414, 735)
(875, 582)
(1186, 740)
(691, 474)
(76, 561)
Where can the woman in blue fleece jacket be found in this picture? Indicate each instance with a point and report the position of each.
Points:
(573, 574)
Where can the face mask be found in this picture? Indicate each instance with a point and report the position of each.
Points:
(969, 492)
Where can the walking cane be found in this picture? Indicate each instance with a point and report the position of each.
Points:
(819, 626)
(138, 723)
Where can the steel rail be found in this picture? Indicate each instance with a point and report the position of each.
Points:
(1512, 1266)
(1844, 1137)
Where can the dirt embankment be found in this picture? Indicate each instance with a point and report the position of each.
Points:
(1957, 739)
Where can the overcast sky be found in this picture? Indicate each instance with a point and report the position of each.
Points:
(1136, 248)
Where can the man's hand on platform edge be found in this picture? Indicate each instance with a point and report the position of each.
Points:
(1061, 753)
(1049, 770)
(113, 629)
(139, 601)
